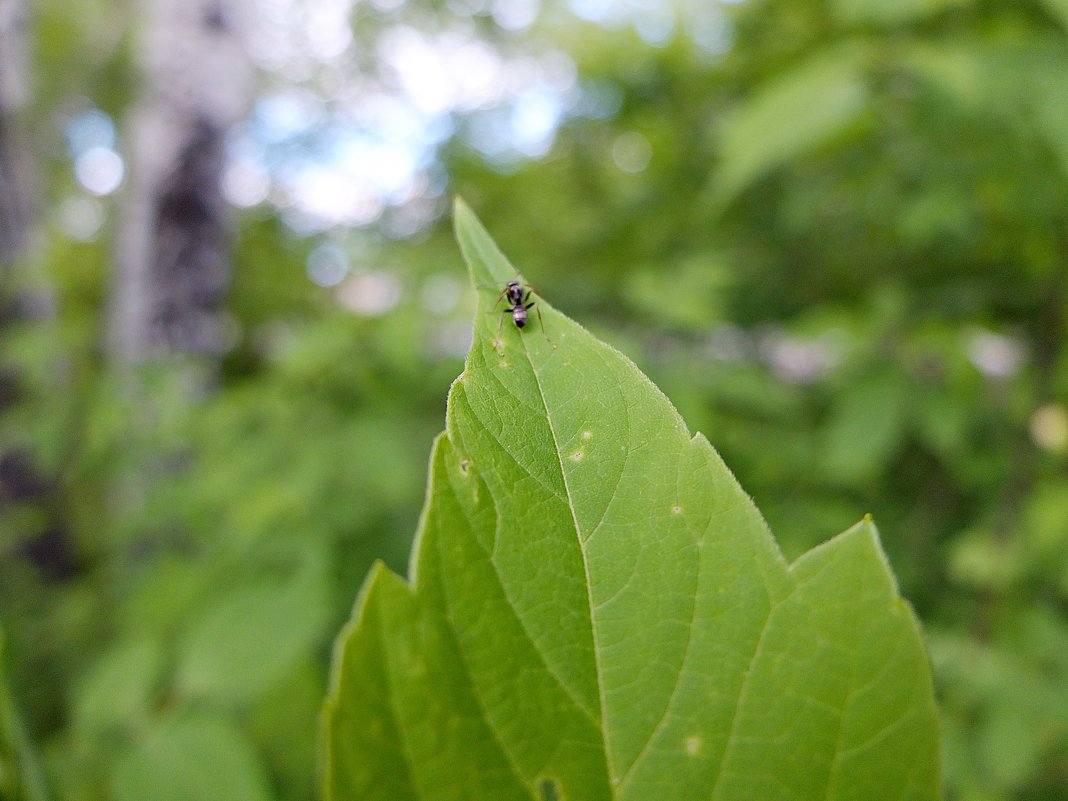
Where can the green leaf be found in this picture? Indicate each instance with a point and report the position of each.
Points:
(192, 757)
(20, 773)
(1048, 101)
(596, 610)
(866, 426)
(119, 688)
(793, 114)
(1021, 79)
(902, 11)
(1059, 9)
(257, 633)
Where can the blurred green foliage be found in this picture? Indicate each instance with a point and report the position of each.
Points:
(20, 774)
(846, 262)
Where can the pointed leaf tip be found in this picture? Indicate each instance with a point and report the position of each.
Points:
(487, 266)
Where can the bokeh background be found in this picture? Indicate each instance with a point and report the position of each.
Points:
(835, 232)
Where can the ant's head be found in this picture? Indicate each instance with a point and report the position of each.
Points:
(513, 284)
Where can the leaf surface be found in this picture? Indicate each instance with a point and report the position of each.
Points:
(596, 610)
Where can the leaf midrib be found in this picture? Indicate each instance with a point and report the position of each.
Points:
(602, 702)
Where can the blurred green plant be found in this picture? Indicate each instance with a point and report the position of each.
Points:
(894, 272)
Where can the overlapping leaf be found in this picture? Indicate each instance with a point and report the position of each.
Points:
(597, 611)
(20, 774)
(816, 102)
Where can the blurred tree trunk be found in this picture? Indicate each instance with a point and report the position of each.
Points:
(14, 201)
(19, 478)
(172, 252)
(26, 295)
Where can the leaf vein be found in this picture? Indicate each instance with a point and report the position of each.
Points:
(744, 689)
(686, 651)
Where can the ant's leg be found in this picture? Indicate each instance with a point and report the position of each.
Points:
(543, 332)
(497, 342)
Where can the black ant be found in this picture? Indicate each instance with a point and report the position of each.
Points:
(519, 302)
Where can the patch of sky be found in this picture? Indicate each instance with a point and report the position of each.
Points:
(372, 142)
(711, 29)
(654, 21)
(328, 264)
(598, 98)
(603, 12)
(658, 21)
(515, 15)
(98, 167)
(90, 128)
(281, 116)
